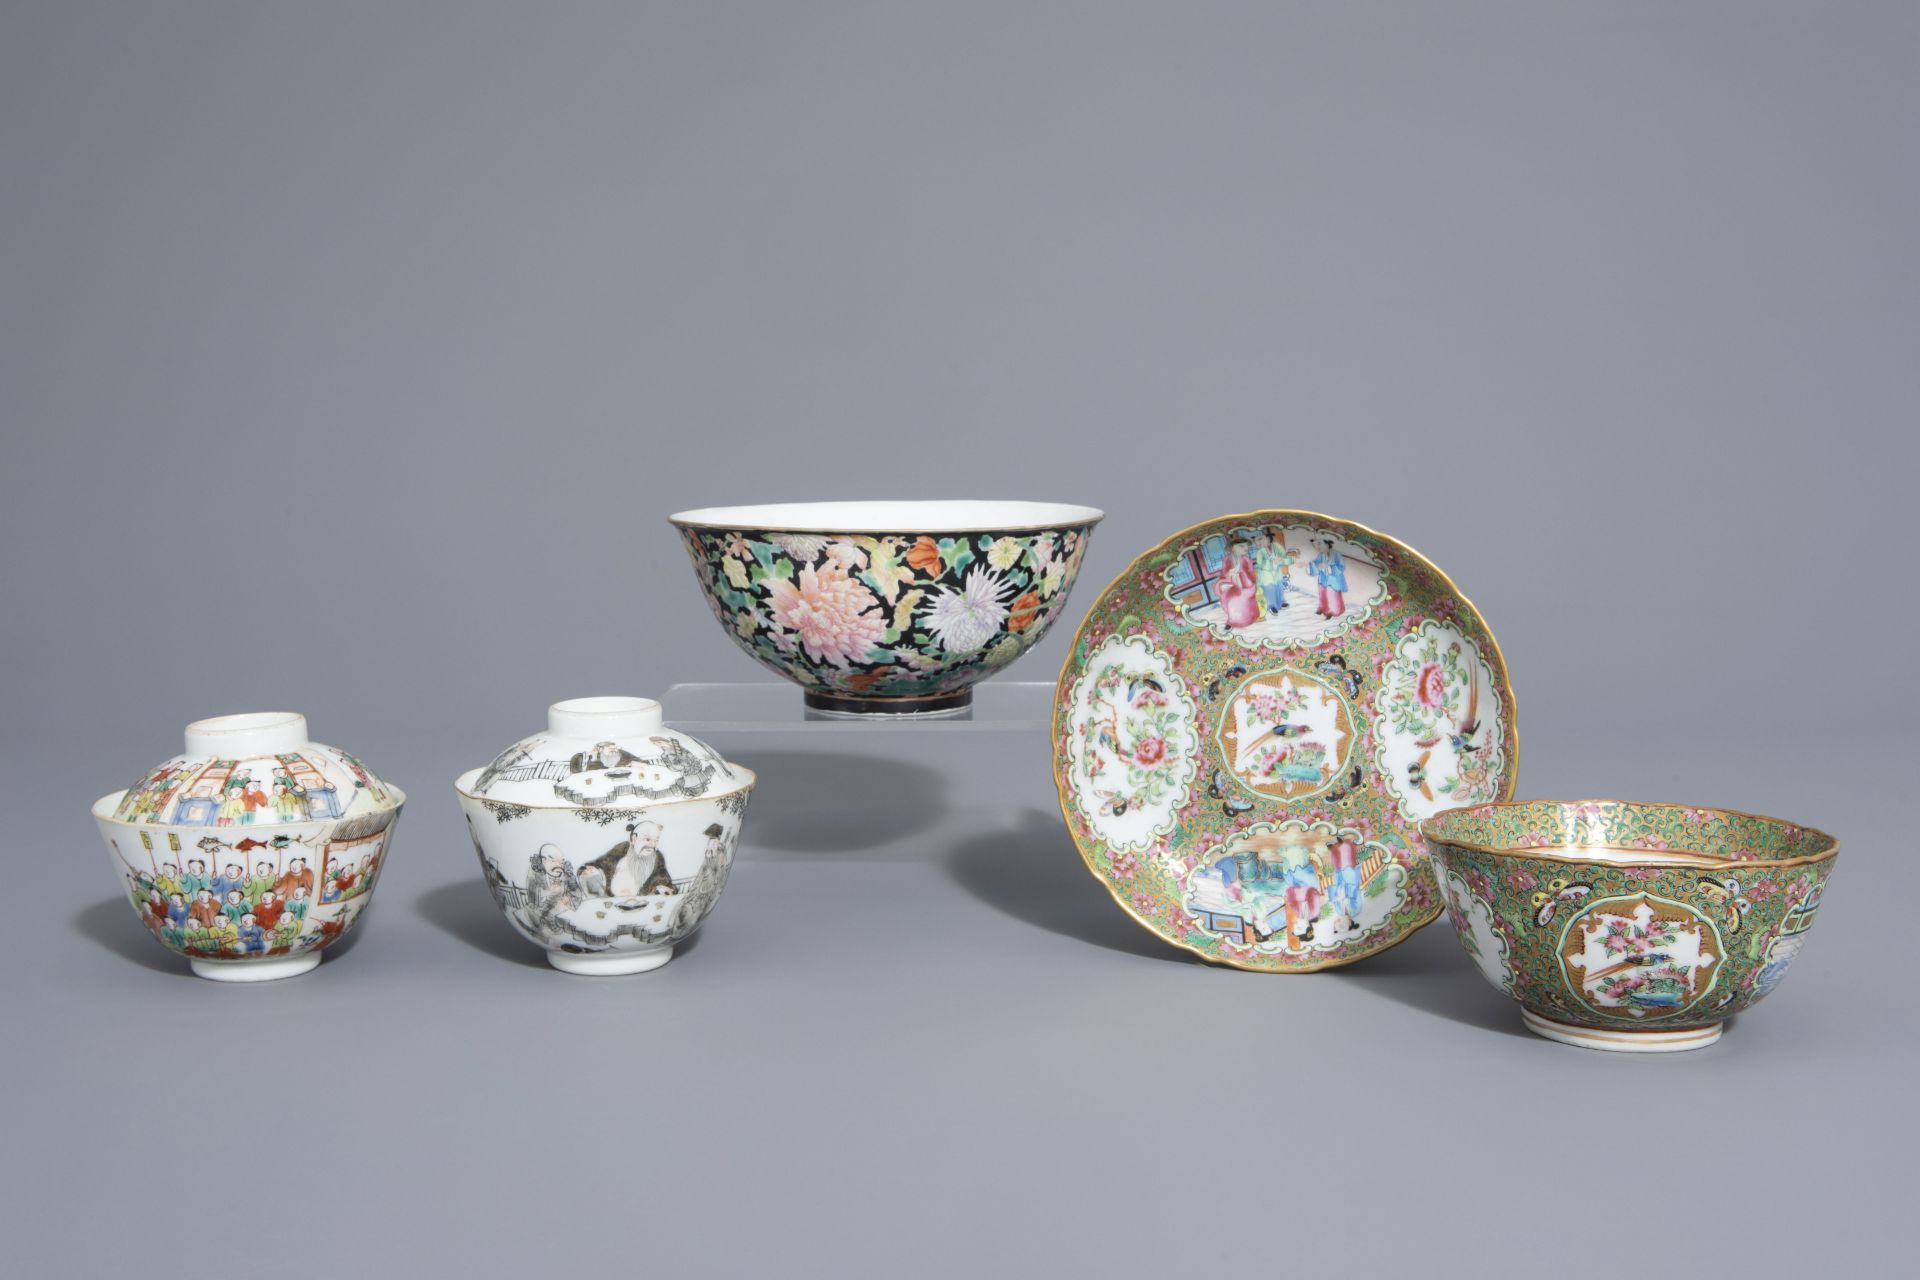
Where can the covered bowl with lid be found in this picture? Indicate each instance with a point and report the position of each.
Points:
(254, 848)
(606, 838)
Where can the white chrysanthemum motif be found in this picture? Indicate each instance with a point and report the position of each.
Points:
(967, 618)
(804, 547)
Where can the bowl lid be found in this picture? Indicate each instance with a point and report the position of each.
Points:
(606, 752)
(258, 770)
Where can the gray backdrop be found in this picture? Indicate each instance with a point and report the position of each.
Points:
(352, 355)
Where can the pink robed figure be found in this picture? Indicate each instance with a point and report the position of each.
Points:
(1239, 590)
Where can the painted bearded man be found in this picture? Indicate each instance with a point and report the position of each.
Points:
(631, 869)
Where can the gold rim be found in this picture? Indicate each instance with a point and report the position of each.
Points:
(1059, 772)
(752, 781)
(1678, 858)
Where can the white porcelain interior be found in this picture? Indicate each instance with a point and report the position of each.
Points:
(933, 516)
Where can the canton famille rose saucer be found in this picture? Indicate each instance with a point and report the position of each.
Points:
(1253, 721)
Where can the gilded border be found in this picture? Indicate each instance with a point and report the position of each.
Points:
(1133, 567)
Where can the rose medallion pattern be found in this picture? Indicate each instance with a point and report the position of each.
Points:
(1296, 888)
(1473, 920)
(1278, 635)
(1642, 956)
(1275, 586)
(1626, 917)
(1133, 746)
(1782, 949)
(1286, 733)
(1440, 742)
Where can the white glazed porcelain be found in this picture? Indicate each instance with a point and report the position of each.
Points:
(254, 848)
(608, 837)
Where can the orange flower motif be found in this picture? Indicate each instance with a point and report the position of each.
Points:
(1024, 611)
(924, 555)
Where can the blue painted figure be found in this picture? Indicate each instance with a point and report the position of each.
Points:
(1330, 571)
(199, 809)
(323, 801)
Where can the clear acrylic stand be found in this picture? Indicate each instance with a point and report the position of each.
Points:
(999, 706)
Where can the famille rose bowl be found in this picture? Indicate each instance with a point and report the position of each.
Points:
(887, 608)
(253, 849)
(1637, 927)
(608, 837)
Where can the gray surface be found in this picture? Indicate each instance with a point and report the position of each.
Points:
(1611, 310)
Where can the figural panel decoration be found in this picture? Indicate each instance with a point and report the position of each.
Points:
(1252, 720)
(1633, 927)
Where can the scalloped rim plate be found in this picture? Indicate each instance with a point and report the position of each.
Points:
(1254, 719)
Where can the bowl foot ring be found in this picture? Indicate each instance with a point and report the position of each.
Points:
(265, 970)
(839, 706)
(607, 964)
(1606, 1039)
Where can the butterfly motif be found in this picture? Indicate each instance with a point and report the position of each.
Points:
(1417, 773)
(1113, 802)
(1334, 668)
(1558, 893)
(1725, 894)
(1214, 685)
(1342, 792)
(1231, 803)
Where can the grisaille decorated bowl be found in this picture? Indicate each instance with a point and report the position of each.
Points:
(1635, 927)
(253, 849)
(887, 608)
(607, 838)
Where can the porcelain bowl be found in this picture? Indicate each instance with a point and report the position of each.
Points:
(887, 608)
(1636, 927)
(531, 857)
(253, 850)
(606, 838)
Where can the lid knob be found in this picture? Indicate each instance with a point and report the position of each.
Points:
(602, 719)
(256, 733)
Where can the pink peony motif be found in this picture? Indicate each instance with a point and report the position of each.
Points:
(830, 611)
(1430, 686)
(1150, 750)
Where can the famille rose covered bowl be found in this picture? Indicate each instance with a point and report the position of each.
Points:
(607, 838)
(887, 608)
(253, 849)
(1637, 927)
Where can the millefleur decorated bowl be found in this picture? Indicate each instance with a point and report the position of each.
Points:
(887, 608)
(608, 837)
(1636, 927)
(252, 850)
